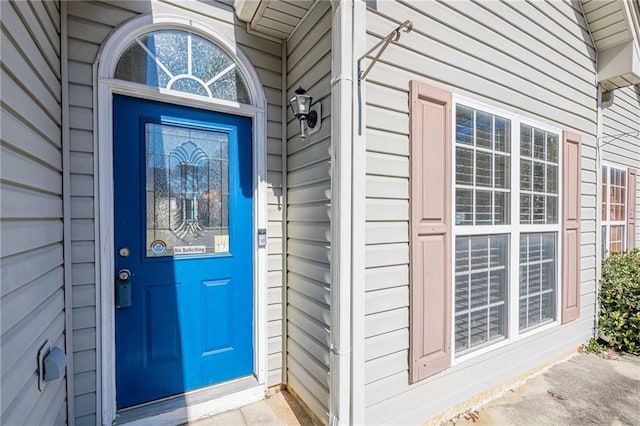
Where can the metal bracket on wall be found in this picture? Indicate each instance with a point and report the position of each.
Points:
(392, 37)
(606, 140)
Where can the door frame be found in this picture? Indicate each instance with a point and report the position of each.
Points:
(107, 86)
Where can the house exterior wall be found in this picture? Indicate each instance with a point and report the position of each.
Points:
(31, 251)
(89, 25)
(308, 216)
(622, 118)
(532, 59)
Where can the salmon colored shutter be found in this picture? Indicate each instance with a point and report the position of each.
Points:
(430, 230)
(631, 209)
(571, 227)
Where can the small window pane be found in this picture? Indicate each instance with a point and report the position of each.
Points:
(539, 209)
(464, 166)
(526, 167)
(525, 140)
(462, 255)
(483, 169)
(552, 179)
(552, 209)
(502, 134)
(484, 207)
(462, 292)
(539, 141)
(502, 174)
(616, 244)
(552, 148)
(464, 125)
(464, 206)
(501, 211)
(484, 130)
(538, 177)
(525, 208)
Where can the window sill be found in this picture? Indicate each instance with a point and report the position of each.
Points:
(498, 345)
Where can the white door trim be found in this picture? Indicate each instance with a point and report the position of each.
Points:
(103, 71)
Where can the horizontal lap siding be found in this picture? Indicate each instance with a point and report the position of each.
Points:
(31, 250)
(308, 221)
(89, 25)
(529, 58)
(621, 132)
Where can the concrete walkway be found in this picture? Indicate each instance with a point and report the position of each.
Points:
(277, 409)
(586, 390)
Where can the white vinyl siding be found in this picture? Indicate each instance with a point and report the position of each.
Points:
(532, 59)
(621, 137)
(31, 250)
(308, 221)
(90, 23)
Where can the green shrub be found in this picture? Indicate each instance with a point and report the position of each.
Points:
(620, 301)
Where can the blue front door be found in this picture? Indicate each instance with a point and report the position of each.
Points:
(183, 274)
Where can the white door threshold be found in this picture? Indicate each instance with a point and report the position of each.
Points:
(194, 405)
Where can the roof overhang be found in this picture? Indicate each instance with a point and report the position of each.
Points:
(274, 18)
(615, 28)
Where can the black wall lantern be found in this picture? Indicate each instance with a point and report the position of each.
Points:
(303, 110)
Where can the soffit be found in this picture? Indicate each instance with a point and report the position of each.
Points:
(615, 29)
(608, 22)
(276, 18)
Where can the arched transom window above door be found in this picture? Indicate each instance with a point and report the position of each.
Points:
(183, 61)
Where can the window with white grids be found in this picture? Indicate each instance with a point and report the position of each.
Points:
(481, 291)
(537, 293)
(506, 227)
(614, 208)
(482, 168)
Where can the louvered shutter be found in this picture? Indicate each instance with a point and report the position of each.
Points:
(430, 230)
(631, 209)
(571, 227)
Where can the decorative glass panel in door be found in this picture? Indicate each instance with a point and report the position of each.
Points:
(187, 190)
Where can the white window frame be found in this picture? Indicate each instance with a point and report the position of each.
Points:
(514, 229)
(604, 197)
